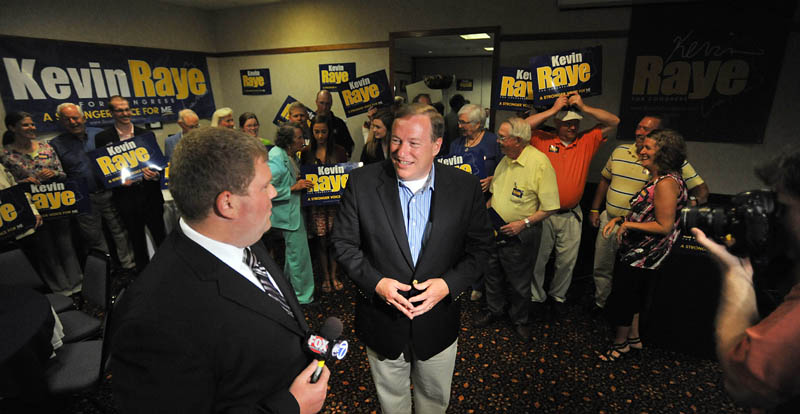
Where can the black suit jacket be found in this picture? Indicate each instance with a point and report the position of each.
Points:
(369, 240)
(193, 336)
(145, 194)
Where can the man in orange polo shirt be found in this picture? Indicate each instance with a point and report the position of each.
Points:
(570, 152)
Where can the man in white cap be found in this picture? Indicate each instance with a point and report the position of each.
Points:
(570, 152)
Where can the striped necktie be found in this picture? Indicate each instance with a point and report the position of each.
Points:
(263, 277)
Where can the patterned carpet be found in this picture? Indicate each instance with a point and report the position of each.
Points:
(557, 372)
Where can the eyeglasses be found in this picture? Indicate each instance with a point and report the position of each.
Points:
(460, 122)
(121, 110)
(502, 138)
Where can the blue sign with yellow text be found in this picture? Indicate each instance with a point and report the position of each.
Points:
(578, 70)
(329, 182)
(513, 90)
(365, 91)
(333, 75)
(59, 199)
(36, 75)
(255, 82)
(124, 161)
(16, 215)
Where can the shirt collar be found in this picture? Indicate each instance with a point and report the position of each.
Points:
(229, 254)
(428, 181)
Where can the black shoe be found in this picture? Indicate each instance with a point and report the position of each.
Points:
(557, 309)
(523, 332)
(485, 320)
(595, 311)
(537, 310)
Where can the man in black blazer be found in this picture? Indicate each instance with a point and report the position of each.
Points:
(203, 329)
(413, 235)
(139, 203)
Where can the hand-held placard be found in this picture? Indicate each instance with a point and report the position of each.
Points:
(320, 344)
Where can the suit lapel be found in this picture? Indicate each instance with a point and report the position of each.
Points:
(236, 288)
(390, 200)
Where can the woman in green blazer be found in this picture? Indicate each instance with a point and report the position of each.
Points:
(286, 214)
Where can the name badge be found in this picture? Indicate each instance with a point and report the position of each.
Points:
(516, 192)
(553, 148)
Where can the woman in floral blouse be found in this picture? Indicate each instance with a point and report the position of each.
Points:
(33, 161)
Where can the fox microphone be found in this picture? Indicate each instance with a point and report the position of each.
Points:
(323, 345)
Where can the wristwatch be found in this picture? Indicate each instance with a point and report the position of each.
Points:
(527, 222)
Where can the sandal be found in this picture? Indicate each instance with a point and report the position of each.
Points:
(337, 285)
(615, 352)
(635, 344)
(326, 286)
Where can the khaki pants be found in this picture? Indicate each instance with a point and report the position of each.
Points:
(431, 378)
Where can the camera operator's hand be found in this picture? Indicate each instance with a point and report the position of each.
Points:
(727, 261)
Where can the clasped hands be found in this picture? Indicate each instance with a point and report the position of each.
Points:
(433, 290)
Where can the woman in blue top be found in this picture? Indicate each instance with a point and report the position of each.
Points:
(478, 142)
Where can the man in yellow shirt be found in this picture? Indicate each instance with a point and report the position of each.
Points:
(524, 192)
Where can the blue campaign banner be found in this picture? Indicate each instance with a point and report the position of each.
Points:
(365, 91)
(468, 161)
(283, 112)
(329, 182)
(60, 199)
(333, 75)
(255, 82)
(38, 74)
(513, 90)
(124, 161)
(578, 70)
(16, 215)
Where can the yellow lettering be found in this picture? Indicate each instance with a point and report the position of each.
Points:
(313, 178)
(348, 98)
(119, 162)
(142, 154)
(543, 75)
(520, 88)
(197, 82)
(584, 72)
(560, 76)
(507, 86)
(325, 78)
(54, 200)
(164, 86)
(47, 117)
(8, 212)
(140, 78)
(67, 198)
(39, 201)
(130, 158)
(374, 91)
(105, 165)
(324, 183)
(181, 82)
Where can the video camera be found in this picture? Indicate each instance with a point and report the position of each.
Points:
(746, 226)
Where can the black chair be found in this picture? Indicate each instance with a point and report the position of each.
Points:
(18, 271)
(79, 325)
(80, 366)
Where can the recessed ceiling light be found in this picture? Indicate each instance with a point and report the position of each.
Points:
(430, 51)
(475, 36)
(488, 49)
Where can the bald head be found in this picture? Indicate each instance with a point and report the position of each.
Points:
(188, 120)
(324, 102)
